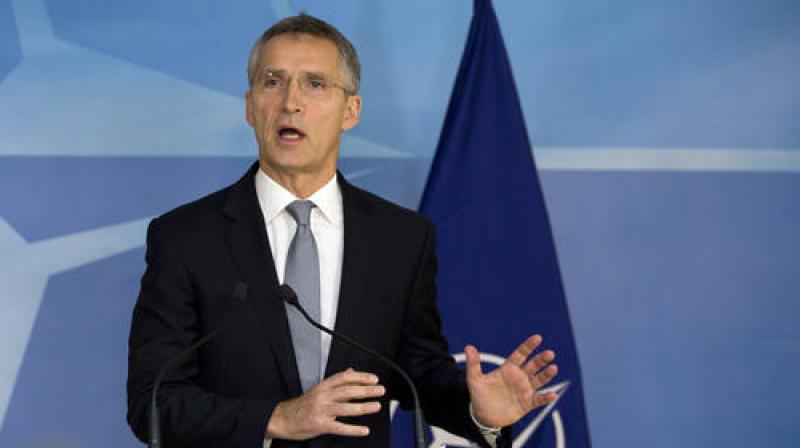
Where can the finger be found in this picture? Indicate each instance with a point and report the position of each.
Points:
(343, 429)
(473, 363)
(538, 362)
(522, 352)
(545, 376)
(355, 409)
(350, 376)
(543, 399)
(353, 392)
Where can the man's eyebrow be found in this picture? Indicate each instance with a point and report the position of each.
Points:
(274, 71)
(315, 75)
(311, 74)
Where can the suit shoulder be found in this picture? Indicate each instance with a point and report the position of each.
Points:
(210, 203)
(397, 214)
(193, 216)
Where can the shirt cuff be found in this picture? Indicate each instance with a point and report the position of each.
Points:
(490, 433)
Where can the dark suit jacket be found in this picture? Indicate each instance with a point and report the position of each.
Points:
(200, 254)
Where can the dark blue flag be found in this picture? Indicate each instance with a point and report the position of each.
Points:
(498, 276)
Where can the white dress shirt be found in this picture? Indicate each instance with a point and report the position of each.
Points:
(326, 226)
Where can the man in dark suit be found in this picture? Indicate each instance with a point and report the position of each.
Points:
(362, 263)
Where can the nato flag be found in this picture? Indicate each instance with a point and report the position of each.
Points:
(498, 277)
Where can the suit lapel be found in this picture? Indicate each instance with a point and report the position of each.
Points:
(247, 239)
(359, 246)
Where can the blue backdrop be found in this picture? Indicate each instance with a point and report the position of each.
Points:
(665, 134)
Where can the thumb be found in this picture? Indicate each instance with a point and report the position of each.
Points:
(473, 363)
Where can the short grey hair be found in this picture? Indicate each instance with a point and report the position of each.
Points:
(305, 24)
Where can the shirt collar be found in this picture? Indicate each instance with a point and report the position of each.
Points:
(273, 198)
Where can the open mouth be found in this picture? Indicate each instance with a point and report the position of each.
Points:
(288, 133)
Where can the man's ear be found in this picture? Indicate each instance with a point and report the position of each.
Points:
(248, 100)
(352, 113)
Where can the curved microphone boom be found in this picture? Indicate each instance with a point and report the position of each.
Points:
(289, 296)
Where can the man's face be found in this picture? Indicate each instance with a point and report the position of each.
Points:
(298, 132)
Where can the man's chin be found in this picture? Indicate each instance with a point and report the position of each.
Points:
(291, 166)
(285, 158)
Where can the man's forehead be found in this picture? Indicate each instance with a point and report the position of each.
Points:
(311, 53)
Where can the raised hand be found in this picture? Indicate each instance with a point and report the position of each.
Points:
(506, 394)
(314, 413)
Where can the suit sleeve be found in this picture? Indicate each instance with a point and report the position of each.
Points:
(424, 353)
(165, 321)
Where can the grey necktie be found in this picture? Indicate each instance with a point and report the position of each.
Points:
(302, 274)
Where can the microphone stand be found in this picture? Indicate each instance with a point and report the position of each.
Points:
(155, 425)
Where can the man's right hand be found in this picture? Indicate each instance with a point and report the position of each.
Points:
(314, 413)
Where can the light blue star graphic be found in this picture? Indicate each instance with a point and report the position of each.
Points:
(24, 271)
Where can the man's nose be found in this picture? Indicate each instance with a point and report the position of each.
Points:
(293, 99)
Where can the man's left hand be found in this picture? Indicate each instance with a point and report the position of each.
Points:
(505, 395)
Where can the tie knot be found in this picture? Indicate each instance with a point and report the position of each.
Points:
(300, 211)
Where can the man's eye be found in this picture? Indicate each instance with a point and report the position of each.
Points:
(272, 82)
(316, 84)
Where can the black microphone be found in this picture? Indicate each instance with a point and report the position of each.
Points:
(289, 296)
(239, 294)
